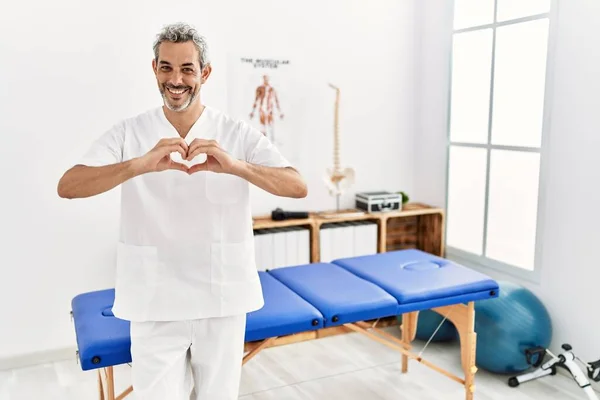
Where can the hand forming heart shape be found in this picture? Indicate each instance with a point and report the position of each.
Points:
(199, 155)
(213, 157)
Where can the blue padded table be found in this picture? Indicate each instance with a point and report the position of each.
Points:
(102, 339)
(274, 319)
(339, 295)
(419, 280)
(347, 294)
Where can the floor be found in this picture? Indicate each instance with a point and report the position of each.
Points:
(350, 365)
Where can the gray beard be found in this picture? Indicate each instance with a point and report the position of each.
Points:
(180, 108)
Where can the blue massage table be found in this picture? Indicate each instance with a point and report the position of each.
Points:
(347, 294)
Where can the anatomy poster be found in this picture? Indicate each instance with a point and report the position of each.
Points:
(260, 92)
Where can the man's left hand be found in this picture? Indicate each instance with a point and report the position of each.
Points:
(217, 159)
(280, 181)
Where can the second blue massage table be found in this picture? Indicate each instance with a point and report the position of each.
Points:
(299, 300)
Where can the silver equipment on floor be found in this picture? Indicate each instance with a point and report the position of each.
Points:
(535, 357)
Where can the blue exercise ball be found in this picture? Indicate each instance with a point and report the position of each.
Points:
(507, 325)
(427, 323)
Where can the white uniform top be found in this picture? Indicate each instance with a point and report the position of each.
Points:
(186, 246)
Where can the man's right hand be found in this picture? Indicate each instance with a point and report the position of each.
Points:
(85, 181)
(159, 158)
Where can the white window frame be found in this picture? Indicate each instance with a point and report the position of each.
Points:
(481, 262)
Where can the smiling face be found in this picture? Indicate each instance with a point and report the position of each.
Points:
(179, 75)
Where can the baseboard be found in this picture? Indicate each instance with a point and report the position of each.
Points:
(37, 358)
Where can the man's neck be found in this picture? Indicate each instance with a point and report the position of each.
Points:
(183, 121)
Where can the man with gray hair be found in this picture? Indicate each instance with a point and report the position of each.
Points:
(185, 272)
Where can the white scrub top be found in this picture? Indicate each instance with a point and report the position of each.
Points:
(186, 245)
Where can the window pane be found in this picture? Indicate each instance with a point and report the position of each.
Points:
(519, 84)
(471, 74)
(512, 207)
(468, 13)
(511, 9)
(466, 198)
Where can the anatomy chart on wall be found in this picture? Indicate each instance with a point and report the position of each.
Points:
(260, 93)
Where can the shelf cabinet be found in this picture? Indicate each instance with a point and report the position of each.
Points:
(416, 226)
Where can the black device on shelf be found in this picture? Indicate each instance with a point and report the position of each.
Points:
(279, 215)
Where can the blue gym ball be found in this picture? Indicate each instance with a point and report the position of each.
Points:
(428, 323)
(507, 325)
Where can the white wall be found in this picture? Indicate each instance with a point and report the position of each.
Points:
(433, 36)
(71, 69)
(569, 265)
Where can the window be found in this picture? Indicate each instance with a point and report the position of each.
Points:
(495, 131)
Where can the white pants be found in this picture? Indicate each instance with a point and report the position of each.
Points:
(200, 359)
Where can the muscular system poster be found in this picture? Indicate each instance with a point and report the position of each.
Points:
(260, 93)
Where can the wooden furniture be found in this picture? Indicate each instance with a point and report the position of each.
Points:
(416, 226)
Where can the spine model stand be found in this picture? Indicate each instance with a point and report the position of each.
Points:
(535, 357)
(337, 179)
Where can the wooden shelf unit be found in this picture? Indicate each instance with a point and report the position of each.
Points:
(416, 226)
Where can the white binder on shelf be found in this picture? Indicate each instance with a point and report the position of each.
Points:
(303, 245)
(347, 239)
(281, 247)
(365, 238)
(325, 242)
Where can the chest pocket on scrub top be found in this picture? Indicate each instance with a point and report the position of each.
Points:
(224, 188)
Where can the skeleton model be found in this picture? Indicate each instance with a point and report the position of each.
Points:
(564, 360)
(337, 179)
(265, 99)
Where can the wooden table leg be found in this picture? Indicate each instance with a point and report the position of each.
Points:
(100, 386)
(409, 331)
(110, 383)
(463, 318)
(468, 339)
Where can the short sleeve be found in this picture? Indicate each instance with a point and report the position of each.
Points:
(106, 149)
(259, 150)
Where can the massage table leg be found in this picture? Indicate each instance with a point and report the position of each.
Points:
(100, 386)
(409, 332)
(110, 385)
(463, 318)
